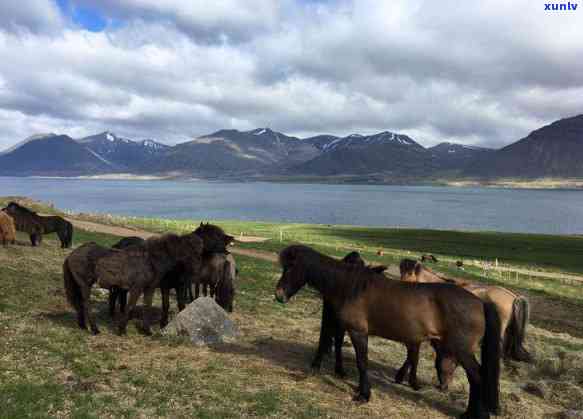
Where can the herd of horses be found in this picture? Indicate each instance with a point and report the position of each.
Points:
(456, 317)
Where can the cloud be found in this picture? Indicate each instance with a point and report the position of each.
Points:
(36, 16)
(484, 73)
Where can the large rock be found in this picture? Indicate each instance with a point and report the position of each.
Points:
(204, 321)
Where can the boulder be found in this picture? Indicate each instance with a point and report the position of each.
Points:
(204, 322)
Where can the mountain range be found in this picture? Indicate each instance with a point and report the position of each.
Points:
(554, 150)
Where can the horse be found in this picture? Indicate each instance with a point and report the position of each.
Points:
(35, 225)
(365, 303)
(7, 229)
(173, 280)
(218, 274)
(216, 277)
(139, 269)
(331, 332)
(513, 311)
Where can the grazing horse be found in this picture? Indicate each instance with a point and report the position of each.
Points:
(331, 331)
(513, 311)
(217, 277)
(7, 229)
(139, 269)
(35, 225)
(365, 303)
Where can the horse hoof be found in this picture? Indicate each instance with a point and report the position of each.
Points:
(95, 332)
(399, 378)
(361, 398)
(415, 386)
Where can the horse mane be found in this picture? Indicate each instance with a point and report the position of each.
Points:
(21, 208)
(345, 280)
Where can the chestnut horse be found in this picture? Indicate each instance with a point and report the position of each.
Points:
(512, 309)
(365, 303)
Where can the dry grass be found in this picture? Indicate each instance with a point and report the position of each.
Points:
(49, 368)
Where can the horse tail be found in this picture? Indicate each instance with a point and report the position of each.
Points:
(491, 354)
(72, 289)
(516, 331)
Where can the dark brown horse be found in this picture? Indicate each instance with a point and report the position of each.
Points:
(513, 311)
(365, 303)
(217, 278)
(139, 269)
(175, 279)
(35, 225)
(331, 331)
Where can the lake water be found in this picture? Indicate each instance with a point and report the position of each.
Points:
(510, 210)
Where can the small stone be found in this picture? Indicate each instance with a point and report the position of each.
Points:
(538, 389)
(572, 414)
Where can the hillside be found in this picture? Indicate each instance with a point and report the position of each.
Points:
(555, 150)
(53, 155)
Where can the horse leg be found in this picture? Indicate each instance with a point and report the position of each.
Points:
(123, 300)
(413, 355)
(165, 306)
(33, 240)
(205, 289)
(402, 372)
(475, 409)
(197, 290)
(326, 335)
(181, 295)
(86, 293)
(148, 297)
(113, 293)
(123, 323)
(360, 343)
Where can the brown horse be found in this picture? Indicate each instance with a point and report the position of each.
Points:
(139, 269)
(365, 303)
(35, 225)
(513, 311)
(331, 331)
(7, 229)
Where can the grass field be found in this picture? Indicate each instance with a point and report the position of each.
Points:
(50, 368)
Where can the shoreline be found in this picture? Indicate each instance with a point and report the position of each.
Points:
(540, 184)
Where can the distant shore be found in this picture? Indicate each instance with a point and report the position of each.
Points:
(541, 183)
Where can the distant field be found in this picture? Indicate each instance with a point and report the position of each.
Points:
(49, 368)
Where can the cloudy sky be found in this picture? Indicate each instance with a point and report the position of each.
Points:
(484, 72)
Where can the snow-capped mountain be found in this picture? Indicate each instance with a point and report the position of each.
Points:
(123, 153)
